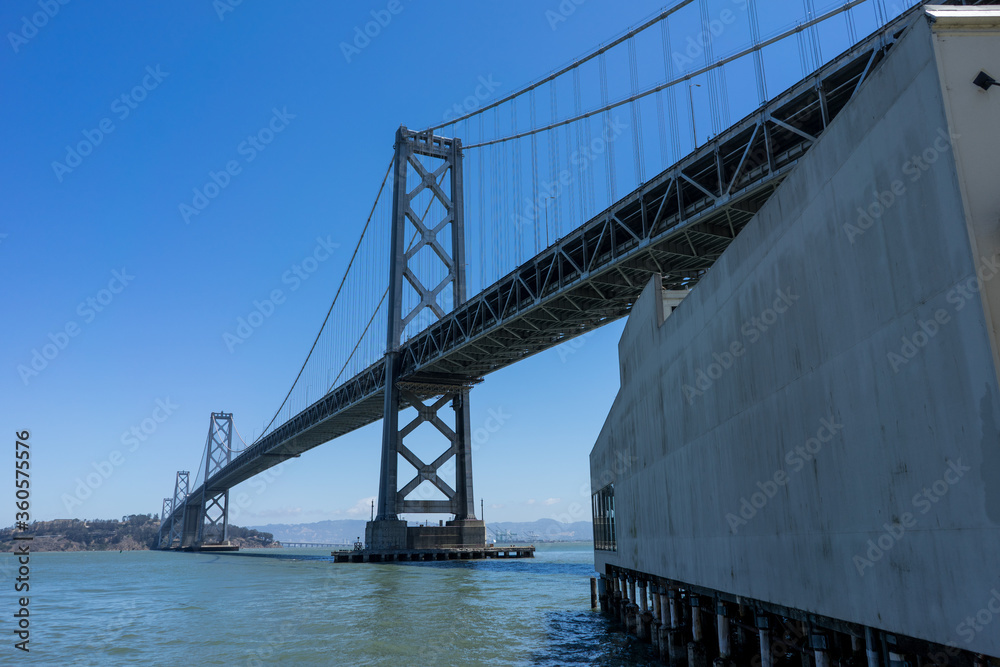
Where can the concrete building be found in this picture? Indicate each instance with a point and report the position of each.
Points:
(813, 436)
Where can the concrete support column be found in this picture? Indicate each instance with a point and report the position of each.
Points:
(872, 648)
(806, 659)
(696, 631)
(722, 625)
(697, 655)
(676, 642)
(764, 633)
(602, 593)
(657, 623)
(665, 626)
(743, 638)
(857, 650)
(820, 643)
(642, 615)
(613, 596)
(630, 609)
(622, 599)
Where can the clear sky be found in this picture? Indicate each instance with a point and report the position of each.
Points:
(116, 302)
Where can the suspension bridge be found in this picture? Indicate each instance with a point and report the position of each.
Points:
(537, 218)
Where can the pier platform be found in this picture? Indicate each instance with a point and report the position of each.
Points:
(409, 555)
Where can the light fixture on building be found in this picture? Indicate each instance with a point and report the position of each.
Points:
(984, 81)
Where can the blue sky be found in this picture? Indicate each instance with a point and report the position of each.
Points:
(132, 297)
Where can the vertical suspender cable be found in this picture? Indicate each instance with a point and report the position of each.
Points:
(637, 151)
(535, 202)
(609, 152)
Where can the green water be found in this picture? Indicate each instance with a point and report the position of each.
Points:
(295, 607)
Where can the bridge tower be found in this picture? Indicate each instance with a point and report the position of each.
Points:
(438, 181)
(164, 530)
(181, 490)
(212, 526)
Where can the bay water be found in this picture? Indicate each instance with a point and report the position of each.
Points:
(297, 607)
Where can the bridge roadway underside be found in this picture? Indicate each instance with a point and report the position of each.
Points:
(676, 225)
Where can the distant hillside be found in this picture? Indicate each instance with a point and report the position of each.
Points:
(134, 532)
(345, 531)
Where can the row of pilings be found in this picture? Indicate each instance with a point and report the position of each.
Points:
(700, 628)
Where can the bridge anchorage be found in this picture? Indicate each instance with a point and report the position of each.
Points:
(200, 520)
(427, 181)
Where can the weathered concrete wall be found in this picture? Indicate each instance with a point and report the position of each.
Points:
(818, 424)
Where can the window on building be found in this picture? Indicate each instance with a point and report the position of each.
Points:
(604, 519)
